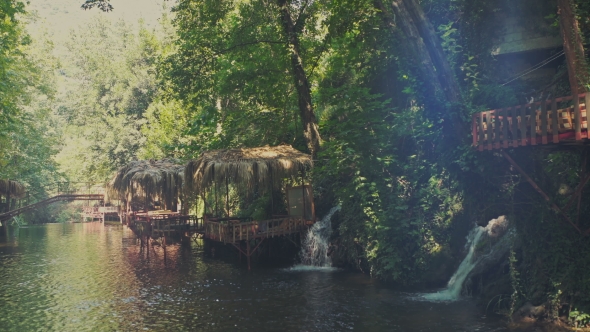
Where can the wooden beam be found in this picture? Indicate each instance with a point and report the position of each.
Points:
(533, 123)
(555, 121)
(523, 130)
(539, 190)
(497, 128)
(482, 136)
(505, 128)
(544, 122)
(514, 127)
(577, 117)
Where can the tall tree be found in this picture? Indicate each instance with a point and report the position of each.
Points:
(310, 125)
(573, 46)
(424, 45)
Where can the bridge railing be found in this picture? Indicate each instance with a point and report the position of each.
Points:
(543, 122)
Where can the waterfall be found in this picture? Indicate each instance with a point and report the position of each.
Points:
(495, 228)
(453, 290)
(314, 249)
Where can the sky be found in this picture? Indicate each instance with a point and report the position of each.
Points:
(58, 17)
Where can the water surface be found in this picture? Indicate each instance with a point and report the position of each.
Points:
(91, 277)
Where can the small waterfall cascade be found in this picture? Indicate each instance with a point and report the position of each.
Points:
(314, 249)
(453, 291)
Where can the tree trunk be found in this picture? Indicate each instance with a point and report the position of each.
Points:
(310, 126)
(425, 46)
(573, 47)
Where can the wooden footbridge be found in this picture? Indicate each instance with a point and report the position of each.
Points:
(554, 121)
(562, 121)
(54, 199)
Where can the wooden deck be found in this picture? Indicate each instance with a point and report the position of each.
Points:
(233, 231)
(226, 230)
(559, 120)
(100, 213)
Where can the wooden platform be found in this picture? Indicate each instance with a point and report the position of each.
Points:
(226, 230)
(560, 120)
(233, 231)
(100, 213)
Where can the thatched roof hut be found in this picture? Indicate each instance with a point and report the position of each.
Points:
(152, 179)
(12, 188)
(247, 168)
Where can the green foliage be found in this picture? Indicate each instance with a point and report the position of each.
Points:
(27, 136)
(110, 81)
(515, 281)
(579, 318)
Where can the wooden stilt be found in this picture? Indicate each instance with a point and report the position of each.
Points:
(248, 253)
(540, 191)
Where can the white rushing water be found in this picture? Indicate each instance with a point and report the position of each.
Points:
(455, 284)
(314, 249)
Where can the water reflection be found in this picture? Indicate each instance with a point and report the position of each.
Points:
(90, 277)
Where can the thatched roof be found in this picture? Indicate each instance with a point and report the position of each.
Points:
(152, 178)
(246, 167)
(16, 189)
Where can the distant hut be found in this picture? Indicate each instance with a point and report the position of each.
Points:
(249, 170)
(11, 190)
(145, 182)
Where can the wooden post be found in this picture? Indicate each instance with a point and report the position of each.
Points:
(505, 128)
(577, 117)
(533, 128)
(514, 127)
(227, 196)
(539, 190)
(555, 120)
(490, 129)
(544, 122)
(248, 253)
(482, 135)
(497, 128)
(303, 194)
(8, 196)
(523, 130)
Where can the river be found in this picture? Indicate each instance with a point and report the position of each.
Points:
(93, 277)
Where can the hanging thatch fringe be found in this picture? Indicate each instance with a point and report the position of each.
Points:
(246, 168)
(154, 179)
(16, 189)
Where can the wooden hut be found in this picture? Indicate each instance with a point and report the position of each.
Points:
(251, 172)
(148, 185)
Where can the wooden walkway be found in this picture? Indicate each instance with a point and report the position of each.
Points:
(100, 213)
(561, 120)
(54, 199)
(239, 232)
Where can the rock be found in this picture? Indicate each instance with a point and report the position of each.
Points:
(528, 312)
(497, 227)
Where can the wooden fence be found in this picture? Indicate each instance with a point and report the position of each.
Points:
(551, 121)
(230, 232)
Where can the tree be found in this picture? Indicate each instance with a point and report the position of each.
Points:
(308, 118)
(573, 46)
(109, 80)
(425, 46)
(103, 5)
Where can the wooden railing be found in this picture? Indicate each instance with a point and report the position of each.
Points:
(229, 232)
(543, 122)
(58, 198)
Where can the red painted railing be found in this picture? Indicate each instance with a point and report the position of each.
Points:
(543, 122)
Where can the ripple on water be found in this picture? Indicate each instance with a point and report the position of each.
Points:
(86, 277)
(308, 268)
